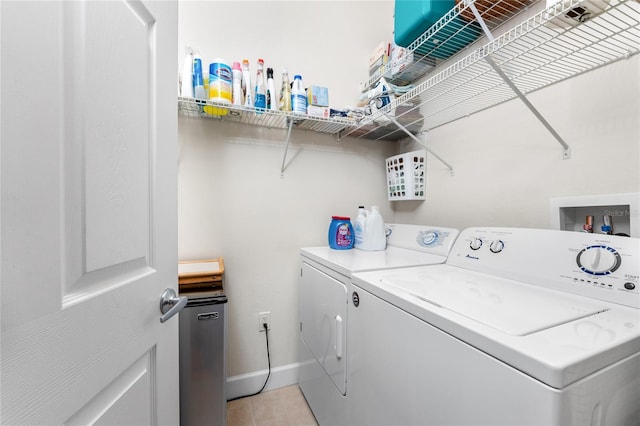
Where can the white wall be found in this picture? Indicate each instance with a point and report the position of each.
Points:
(507, 166)
(232, 200)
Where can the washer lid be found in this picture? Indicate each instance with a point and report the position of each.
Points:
(511, 307)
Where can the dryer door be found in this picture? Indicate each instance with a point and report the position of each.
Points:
(323, 313)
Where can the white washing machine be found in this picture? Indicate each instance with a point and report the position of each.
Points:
(518, 327)
(325, 291)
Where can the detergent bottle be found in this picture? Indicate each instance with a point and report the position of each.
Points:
(375, 235)
(340, 233)
(359, 228)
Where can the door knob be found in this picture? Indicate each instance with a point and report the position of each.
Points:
(171, 304)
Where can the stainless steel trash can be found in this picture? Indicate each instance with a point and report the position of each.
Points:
(203, 343)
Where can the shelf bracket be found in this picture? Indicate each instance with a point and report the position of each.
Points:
(415, 138)
(566, 153)
(286, 147)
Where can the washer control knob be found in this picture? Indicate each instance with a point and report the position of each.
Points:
(598, 260)
(496, 246)
(475, 243)
(629, 286)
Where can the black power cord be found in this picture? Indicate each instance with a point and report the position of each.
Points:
(266, 336)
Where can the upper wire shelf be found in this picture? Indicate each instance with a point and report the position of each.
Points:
(190, 107)
(453, 32)
(542, 50)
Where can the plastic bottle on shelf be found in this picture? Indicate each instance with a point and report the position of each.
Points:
(237, 96)
(246, 83)
(298, 96)
(272, 97)
(359, 228)
(198, 78)
(285, 92)
(186, 84)
(376, 238)
(260, 92)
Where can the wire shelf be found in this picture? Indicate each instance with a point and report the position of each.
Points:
(450, 34)
(190, 107)
(537, 53)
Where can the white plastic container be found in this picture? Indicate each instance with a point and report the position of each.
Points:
(260, 99)
(359, 224)
(238, 98)
(186, 84)
(246, 83)
(298, 96)
(375, 236)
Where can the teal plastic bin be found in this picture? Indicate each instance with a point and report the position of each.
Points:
(414, 17)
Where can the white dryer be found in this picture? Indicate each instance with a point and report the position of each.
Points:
(518, 327)
(325, 293)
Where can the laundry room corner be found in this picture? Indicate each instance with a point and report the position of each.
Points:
(241, 197)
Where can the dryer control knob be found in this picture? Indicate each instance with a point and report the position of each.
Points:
(475, 243)
(496, 246)
(598, 260)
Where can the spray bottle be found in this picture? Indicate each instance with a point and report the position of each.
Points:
(272, 98)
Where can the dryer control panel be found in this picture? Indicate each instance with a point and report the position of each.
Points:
(605, 267)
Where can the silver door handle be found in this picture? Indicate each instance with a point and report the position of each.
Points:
(171, 304)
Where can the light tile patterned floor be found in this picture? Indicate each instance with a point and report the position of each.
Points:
(279, 407)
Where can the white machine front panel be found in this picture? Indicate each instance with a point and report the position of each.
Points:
(323, 315)
(496, 302)
(605, 267)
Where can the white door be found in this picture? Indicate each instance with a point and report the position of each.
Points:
(88, 213)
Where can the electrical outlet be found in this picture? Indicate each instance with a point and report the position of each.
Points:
(264, 317)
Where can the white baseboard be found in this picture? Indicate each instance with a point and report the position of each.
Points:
(247, 384)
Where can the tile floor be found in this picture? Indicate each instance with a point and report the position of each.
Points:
(279, 407)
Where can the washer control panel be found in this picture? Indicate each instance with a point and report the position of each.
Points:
(605, 267)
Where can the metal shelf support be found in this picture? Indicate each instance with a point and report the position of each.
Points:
(566, 153)
(415, 138)
(286, 147)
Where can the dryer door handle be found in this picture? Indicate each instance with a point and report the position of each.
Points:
(339, 335)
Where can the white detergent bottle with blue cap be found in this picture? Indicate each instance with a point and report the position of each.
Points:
(359, 224)
(375, 235)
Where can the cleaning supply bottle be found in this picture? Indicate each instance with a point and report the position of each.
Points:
(246, 83)
(285, 92)
(376, 238)
(272, 98)
(237, 96)
(186, 84)
(359, 228)
(340, 233)
(260, 92)
(198, 78)
(298, 96)
(220, 83)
